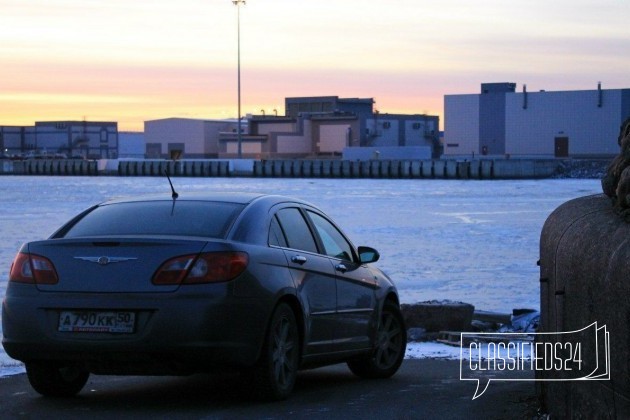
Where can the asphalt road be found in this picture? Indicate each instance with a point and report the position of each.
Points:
(421, 389)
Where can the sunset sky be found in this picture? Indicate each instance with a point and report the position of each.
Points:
(132, 61)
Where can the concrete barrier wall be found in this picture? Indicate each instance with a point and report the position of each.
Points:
(510, 168)
(298, 168)
(329, 168)
(6, 167)
(474, 169)
(415, 170)
(439, 168)
(451, 169)
(584, 266)
(192, 168)
(487, 169)
(316, 169)
(51, 167)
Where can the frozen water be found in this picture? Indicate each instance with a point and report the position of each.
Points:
(471, 241)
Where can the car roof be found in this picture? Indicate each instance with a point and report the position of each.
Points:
(229, 197)
(244, 198)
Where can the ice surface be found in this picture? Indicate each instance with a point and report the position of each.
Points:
(470, 241)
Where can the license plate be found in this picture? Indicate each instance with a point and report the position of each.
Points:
(96, 321)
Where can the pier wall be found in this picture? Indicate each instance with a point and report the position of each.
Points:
(292, 168)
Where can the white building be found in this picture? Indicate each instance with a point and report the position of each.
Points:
(501, 122)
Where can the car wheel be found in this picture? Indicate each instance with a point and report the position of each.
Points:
(391, 342)
(278, 365)
(56, 380)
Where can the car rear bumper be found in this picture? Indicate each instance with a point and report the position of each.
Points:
(172, 334)
(181, 360)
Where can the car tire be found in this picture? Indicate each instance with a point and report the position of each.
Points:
(391, 343)
(277, 369)
(56, 380)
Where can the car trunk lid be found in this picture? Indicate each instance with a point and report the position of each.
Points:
(111, 265)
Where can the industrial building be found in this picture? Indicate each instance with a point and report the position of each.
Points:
(78, 139)
(500, 122)
(185, 137)
(403, 130)
(321, 126)
(131, 145)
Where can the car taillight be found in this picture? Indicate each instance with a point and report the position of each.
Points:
(34, 269)
(211, 267)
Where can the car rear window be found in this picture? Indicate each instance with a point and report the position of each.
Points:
(174, 218)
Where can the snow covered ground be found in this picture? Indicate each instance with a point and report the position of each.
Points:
(470, 241)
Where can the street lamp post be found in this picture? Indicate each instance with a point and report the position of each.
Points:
(238, 3)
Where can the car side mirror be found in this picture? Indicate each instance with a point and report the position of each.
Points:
(368, 255)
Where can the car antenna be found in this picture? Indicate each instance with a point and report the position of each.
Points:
(174, 193)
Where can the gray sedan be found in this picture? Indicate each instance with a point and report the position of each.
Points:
(168, 285)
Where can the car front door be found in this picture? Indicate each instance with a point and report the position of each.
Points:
(313, 275)
(356, 287)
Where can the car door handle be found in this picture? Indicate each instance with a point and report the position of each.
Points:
(298, 259)
(341, 267)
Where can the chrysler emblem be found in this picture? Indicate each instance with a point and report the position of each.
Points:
(104, 260)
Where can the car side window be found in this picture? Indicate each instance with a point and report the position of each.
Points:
(276, 236)
(296, 230)
(335, 244)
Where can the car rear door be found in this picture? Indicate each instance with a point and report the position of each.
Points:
(312, 273)
(356, 286)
